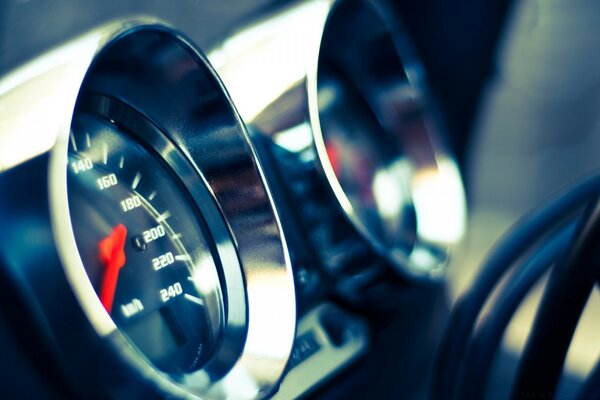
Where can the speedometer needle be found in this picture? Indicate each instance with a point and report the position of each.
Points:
(112, 255)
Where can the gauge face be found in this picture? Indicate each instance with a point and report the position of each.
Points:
(144, 245)
(366, 162)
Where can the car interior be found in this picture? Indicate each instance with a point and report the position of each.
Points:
(284, 199)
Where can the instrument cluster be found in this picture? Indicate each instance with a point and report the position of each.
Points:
(222, 239)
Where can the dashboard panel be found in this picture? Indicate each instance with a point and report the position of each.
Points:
(165, 222)
(270, 215)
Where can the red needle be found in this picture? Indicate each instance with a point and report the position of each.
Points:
(112, 255)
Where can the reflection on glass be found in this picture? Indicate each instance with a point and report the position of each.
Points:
(366, 162)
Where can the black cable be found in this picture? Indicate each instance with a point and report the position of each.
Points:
(591, 387)
(488, 337)
(568, 289)
(517, 240)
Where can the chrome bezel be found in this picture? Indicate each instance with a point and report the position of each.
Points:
(438, 161)
(272, 70)
(48, 88)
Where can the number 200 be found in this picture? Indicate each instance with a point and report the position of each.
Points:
(153, 233)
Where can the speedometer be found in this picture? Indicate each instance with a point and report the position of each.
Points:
(159, 267)
(144, 246)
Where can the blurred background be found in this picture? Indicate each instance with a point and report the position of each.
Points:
(536, 130)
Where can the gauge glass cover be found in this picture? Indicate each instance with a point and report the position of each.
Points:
(145, 246)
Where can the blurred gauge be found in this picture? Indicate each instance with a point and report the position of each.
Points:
(367, 162)
(354, 132)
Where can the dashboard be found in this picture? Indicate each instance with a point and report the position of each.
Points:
(279, 200)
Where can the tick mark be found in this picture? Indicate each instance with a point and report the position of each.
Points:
(121, 162)
(73, 141)
(194, 299)
(183, 257)
(162, 217)
(136, 180)
(105, 153)
(152, 196)
(88, 141)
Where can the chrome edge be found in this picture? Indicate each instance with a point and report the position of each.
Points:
(37, 102)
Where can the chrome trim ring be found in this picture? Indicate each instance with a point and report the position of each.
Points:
(273, 70)
(37, 103)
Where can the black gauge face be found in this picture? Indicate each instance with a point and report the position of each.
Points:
(366, 162)
(144, 245)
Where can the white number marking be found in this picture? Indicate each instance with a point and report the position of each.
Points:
(153, 233)
(171, 291)
(131, 202)
(106, 181)
(162, 261)
(82, 165)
